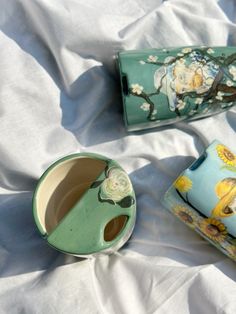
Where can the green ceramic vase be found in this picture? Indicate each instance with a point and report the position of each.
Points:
(164, 86)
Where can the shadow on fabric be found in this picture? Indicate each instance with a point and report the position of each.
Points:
(91, 106)
(92, 110)
(22, 249)
(231, 118)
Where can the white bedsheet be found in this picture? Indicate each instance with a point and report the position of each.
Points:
(59, 94)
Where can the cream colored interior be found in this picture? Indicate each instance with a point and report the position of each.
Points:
(63, 187)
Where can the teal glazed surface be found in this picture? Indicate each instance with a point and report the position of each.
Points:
(81, 230)
(204, 197)
(164, 86)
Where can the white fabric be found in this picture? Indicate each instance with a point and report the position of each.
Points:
(59, 94)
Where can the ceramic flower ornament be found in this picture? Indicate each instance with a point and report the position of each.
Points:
(116, 186)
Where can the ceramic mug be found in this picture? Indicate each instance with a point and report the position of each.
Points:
(84, 205)
(164, 86)
(204, 197)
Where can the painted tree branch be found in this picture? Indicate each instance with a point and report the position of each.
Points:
(148, 100)
(191, 205)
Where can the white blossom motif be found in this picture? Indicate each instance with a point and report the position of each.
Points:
(153, 116)
(152, 59)
(210, 50)
(198, 101)
(229, 83)
(145, 106)
(181, 104)
(142, 62)
(192, 112)
(117, 185)
(186, 50)
(232, 71)
(209, 81)
(137, 89)
(219, 96)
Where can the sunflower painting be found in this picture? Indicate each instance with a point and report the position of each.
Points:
(186, 215)
(226, 155)
(183, 184)
(213, 229)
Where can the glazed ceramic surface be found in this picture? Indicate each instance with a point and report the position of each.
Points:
(164, 86)
(84, 204)
(204, 197)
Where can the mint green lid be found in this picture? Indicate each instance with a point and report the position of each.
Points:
(85, 204)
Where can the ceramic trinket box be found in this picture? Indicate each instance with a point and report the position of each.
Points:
(84, 205)
(204, 197)
(164, 86)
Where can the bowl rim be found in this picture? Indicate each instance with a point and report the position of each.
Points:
(44, 175)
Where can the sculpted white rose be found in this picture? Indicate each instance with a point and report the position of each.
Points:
(117, 185)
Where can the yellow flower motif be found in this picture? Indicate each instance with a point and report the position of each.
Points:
(226, 155)
(183, 184)
(213, 229)
(184, 214)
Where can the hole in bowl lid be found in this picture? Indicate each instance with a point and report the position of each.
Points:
(114, 227)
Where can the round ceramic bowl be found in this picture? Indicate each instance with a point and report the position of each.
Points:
(84, 205)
